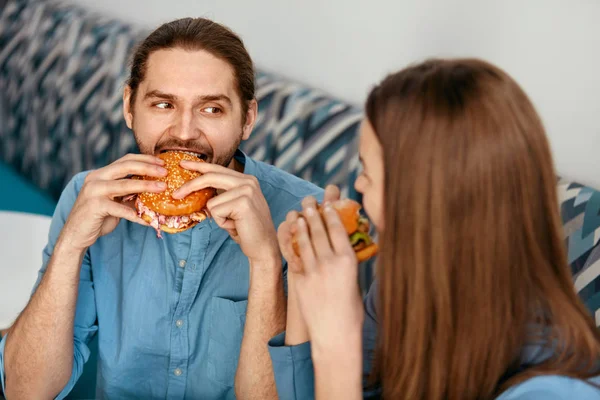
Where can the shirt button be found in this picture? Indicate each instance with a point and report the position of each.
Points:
(182, 263)
(178, 372)
(179, 323)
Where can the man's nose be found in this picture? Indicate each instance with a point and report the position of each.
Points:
(187, 127)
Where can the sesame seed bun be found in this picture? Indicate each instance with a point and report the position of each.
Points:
(163, 203)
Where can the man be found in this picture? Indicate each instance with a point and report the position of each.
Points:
(187, 316)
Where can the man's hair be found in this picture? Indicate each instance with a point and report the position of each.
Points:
(197, 34)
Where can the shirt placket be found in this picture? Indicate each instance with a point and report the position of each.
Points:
(192, 268)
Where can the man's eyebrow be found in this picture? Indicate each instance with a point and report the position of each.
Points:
(215, 97)
(203, 98)
(158, 94)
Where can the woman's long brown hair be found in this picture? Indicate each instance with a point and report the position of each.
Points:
(473, 266)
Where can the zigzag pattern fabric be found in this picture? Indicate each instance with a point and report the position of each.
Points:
(62, 70)
(580, 210)
(61, 78)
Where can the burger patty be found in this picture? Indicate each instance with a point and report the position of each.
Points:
(175, 222)
(361, 239)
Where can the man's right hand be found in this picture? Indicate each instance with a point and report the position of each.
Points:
(98, 209)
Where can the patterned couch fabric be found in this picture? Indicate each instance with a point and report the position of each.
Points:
(61, 78)
(62, 70)
(580, 210)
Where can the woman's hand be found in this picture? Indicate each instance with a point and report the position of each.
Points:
(323, 279)
(327, 289)
(324, 299)
(296, 330)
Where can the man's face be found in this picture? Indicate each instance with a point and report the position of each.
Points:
(188, 101)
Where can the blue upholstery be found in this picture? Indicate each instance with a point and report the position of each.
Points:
(61, 112)
(21, 195)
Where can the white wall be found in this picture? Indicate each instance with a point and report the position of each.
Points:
(552, 47)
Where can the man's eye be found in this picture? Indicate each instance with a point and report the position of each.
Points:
(163, 105)
(213, 110)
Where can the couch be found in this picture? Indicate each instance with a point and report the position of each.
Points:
(62, 70)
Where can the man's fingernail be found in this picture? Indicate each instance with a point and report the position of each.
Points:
(161, 185)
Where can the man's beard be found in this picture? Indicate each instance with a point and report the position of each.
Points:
(192, 145)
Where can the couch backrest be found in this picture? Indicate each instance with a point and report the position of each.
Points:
(580, 211)
(62, 70)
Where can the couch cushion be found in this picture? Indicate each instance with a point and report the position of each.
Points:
(23, 196)
(580, 210)
(63, 103)
(306, 133)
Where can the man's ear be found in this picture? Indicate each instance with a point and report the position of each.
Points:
(127, 111)
(251, 116)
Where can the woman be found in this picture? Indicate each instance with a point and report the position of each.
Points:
(474, 294)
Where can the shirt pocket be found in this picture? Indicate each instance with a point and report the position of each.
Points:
(227, 319)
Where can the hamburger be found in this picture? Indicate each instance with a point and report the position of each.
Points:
(161, 210)
(357, 227)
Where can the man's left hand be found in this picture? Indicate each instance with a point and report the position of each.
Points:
(241, 209)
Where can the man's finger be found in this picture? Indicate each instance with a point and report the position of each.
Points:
(211, 179)
(130, 167)
(205, 167)
(148, 158)
(124, 187)
(230, 195)
(121, 211)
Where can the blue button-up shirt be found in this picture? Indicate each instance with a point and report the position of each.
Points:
(169, 313)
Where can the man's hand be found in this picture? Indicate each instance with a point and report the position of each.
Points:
(240, 209)
(97, 210)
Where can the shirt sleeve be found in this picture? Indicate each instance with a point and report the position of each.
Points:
(85, 325)
(293, 367)
(553, 387)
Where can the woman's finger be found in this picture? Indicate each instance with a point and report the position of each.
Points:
(318, 233)
(337, 233)
(305, 247)
(285, 238)
(332, 193)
